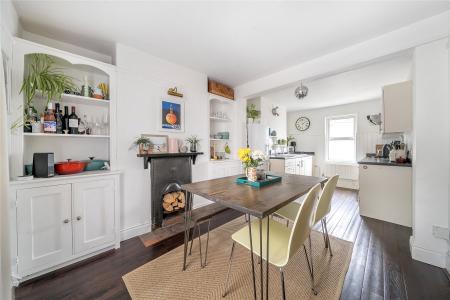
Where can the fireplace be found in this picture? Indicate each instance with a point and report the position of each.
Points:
(168, 201)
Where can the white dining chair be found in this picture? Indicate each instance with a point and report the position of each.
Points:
(284, 241)
(289, 211)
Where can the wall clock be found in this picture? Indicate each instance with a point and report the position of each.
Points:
(302, 123)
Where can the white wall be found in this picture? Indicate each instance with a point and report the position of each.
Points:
(277, 123)
(10, 27)
(143, 81)
(66, 47)
(274, 122)
(431, 151)
(313, 139)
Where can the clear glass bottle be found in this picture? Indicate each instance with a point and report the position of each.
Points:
(49, 119)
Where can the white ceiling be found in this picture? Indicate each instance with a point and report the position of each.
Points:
(233, 42)
(356, 85)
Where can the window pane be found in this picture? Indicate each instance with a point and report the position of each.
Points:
(341, 150)
(341, 127)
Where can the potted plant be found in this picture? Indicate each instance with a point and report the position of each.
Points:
(193, 141)
(252, 112)
(43, 78)
(250, 161)
(142, 144)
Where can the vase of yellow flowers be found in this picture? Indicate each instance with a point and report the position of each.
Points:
(250, 161)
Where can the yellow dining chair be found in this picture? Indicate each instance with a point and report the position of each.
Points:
(284, 241)
(289, 211)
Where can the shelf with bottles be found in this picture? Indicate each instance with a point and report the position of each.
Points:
(94, 136)
(52, 121)
(77, 99)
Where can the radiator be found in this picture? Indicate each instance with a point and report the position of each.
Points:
(347, 172)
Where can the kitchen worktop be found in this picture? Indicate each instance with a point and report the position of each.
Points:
(382, 162)
(290, 155)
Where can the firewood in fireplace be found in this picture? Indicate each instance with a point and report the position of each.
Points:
(167, 206)
(169, 198)
(181, 197)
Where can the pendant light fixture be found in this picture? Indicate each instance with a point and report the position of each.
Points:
(301, 91)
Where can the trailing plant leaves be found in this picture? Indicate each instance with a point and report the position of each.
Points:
(43, 78)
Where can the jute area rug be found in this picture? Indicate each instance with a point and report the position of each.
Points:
(162, 278)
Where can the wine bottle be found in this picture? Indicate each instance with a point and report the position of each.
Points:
(73, 122)
(58, 118)
(65, 120)
(49, 120)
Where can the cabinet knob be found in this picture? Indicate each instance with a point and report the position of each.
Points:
(66, 221)
(364, 167)
(78, 218)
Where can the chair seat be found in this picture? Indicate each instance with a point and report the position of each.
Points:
(278, 240)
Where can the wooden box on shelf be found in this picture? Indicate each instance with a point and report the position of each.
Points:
(220, 89)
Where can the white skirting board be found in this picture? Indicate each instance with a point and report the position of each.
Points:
(427, 256)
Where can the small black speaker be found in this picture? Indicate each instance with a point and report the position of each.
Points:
(43, 165)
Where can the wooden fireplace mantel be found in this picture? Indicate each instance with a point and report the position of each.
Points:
(149, 157)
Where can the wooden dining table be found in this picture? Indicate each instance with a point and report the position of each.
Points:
(256, 202)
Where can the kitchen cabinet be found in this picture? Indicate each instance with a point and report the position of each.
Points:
(301, 165)
(304, 166)
(397, 107)
(93, 214)
(385, 193)
(61, 220)
(43, 226)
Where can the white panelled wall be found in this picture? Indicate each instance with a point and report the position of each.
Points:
(431, 152)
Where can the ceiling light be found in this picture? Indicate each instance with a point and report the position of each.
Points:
(301, 91)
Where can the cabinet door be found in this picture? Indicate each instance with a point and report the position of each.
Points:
(397, 107)
(307, 166)
(93, 214)
(44, 227)
(385, 193)
(299, 166)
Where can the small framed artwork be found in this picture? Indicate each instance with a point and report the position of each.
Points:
(158, 143)
(171, 115)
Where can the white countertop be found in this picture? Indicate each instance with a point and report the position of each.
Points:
(86, 174)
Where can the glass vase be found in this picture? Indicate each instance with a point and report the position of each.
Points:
(252, 174)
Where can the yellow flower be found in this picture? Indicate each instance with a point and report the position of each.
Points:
(244, 154)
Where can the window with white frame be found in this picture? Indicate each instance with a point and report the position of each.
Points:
(341, 138)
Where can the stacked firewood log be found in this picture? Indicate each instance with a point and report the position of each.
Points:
(174, 201)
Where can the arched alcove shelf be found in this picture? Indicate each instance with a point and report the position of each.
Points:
(100, 113)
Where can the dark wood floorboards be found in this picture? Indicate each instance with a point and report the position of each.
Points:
(381, 265)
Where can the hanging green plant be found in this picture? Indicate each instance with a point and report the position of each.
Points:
(43, 78)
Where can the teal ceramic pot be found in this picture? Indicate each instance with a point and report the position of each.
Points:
(94, 164)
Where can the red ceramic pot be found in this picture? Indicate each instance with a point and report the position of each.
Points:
(69, 167)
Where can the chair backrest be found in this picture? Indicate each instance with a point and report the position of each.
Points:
(303, 222)
(324, 204)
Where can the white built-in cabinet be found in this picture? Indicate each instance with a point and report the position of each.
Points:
(62, 220)
(397, 107)
(57, 221)
(224, 168)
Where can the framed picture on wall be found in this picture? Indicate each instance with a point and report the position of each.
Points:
(158, 143)
(171, 115)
